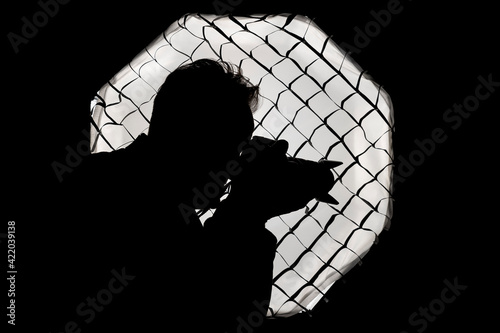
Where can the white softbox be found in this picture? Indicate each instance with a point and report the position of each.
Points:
(314, 96)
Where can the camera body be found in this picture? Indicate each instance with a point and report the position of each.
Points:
(272, 180)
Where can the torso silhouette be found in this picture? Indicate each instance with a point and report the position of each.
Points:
(120, 257)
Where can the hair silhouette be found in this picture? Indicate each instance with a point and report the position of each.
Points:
(205, 103)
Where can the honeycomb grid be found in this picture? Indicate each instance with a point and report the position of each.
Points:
(314, 96)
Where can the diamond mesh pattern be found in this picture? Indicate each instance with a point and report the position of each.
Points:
(312, 95)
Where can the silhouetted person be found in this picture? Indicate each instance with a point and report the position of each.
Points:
(132, 212)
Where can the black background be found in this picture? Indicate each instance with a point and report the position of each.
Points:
(428, 58)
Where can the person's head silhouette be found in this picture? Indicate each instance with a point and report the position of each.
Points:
(201, 116)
